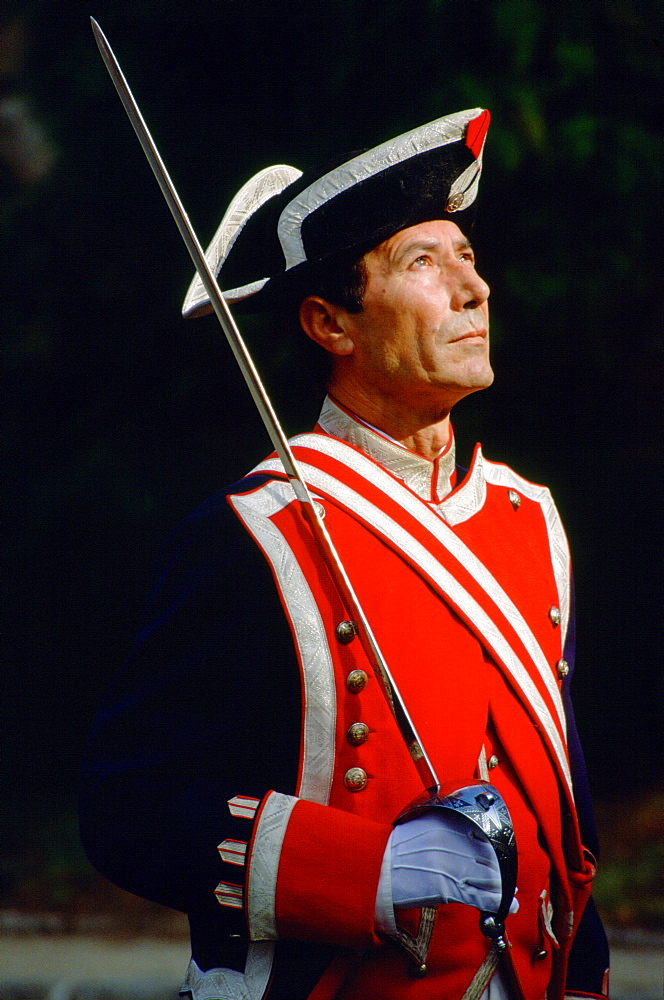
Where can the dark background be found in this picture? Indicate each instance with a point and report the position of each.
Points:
(121, 417)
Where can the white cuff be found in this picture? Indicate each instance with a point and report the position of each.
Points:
(263, 865)
(384, 912)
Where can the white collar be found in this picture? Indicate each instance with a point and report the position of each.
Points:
(432, 481)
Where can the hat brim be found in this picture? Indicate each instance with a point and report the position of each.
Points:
(291, 233)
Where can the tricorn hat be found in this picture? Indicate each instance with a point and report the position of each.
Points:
(282, 224)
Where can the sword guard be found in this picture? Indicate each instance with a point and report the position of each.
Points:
(483, 806)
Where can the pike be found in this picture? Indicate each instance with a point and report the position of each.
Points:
(271, 422)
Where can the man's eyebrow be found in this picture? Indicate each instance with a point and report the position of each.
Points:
(417, 244)
(463, 244)
(431, 243)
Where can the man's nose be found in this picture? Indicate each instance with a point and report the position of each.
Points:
(472, 290)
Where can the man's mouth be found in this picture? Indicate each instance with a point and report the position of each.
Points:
(471, 335)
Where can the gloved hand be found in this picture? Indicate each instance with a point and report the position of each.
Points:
(439, 857)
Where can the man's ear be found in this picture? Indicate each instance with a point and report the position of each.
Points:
(326, 325)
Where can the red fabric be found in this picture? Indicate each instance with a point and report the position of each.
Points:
(328, 876)
(476, 133)
(460, 696)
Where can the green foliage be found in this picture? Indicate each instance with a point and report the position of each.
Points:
(628, 888)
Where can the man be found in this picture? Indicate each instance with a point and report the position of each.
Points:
(261, 798)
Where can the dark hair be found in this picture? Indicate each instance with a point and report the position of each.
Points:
(340, 281)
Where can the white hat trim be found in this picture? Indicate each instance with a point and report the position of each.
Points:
(258, 189)
(464, 189)
(441, 132)
(244, 291)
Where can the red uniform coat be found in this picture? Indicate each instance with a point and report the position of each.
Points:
(469, 603)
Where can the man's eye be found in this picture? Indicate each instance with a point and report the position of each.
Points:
(422, 260)
(467, 255)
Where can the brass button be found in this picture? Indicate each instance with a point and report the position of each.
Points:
(345, 632)
(454, 203)
(562, 666)
(540, 954)
(492, 762)
(554, 615)
(357, 734)
(356, 681)
(515, 499)
(355, 779)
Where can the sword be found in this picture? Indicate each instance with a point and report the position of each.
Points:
(359, 624)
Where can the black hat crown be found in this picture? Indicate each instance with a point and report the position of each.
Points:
(282, 223)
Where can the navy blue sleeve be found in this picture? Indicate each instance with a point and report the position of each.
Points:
(589, 957)
(190, 721)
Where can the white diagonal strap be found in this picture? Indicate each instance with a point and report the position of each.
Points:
(397, 535)
(413, 505)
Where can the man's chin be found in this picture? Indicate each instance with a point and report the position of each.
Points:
(480, 378)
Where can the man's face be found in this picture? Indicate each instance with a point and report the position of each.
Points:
(422, 333)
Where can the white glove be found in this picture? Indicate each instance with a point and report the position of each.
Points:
(439, 857)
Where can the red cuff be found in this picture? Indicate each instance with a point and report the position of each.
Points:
(328, 876)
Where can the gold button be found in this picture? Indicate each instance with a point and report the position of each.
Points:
(454, 203)
(562, 666)
(515, 499)
(492, 762)
(357, 734)
(554, 615)
(345, 632)
(355, 779)
(356, 681)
